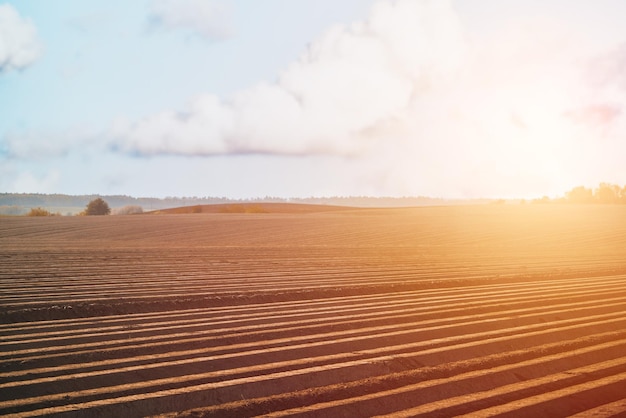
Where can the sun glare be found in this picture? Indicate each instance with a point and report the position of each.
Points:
(532, 138)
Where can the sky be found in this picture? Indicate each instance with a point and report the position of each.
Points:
(299, 98)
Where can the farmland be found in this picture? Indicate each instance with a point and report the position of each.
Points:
(508, 310)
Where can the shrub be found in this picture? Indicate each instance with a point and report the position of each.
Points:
(39, 212)
(97, 207)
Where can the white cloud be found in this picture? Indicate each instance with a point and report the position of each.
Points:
(422, 107)
(207, 18)
(350, 81)
(204, 127)
(19, 44)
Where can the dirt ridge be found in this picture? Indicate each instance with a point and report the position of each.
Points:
(435, 312)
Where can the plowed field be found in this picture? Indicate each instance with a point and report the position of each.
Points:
(439, 311)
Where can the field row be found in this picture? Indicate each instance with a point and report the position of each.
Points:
(532, 230)
(384, 353)
(469, 320)
(165, 276)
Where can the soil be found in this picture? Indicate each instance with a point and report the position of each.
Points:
(434, 311)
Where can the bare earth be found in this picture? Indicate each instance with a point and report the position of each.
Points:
(435, 311)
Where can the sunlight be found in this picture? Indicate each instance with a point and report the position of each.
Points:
(530, 137)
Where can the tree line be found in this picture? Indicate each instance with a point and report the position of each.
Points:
(604, 193)
(50, 204)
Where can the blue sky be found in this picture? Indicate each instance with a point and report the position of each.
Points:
(242, 98)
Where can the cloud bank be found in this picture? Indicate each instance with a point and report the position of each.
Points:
(418, 101)
(19, 44)
(350, 82)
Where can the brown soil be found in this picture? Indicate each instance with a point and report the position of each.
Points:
(482, 310)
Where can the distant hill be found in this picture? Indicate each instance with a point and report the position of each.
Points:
(253, 208)
(21, 203)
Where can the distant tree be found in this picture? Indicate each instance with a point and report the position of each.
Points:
(607, 193)
(580, 194)
(97, 207)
